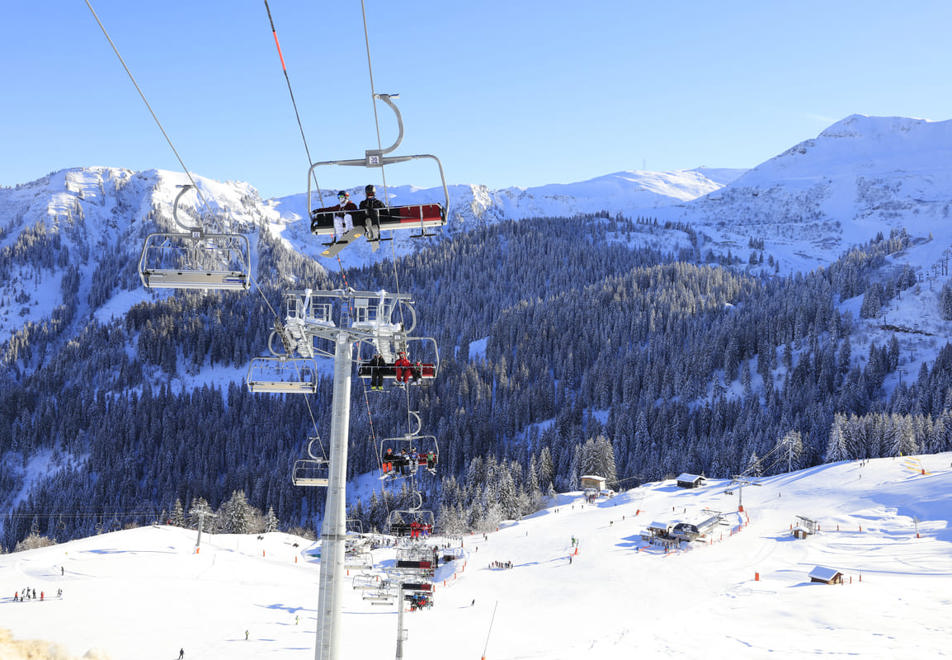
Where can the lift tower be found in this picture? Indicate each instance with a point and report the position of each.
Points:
(328, 324)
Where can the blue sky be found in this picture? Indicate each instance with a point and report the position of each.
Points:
(519, 93)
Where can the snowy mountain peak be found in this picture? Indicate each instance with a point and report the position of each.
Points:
(860, 176)
(867, 127)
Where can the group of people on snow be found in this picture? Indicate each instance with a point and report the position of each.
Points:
(30, 594)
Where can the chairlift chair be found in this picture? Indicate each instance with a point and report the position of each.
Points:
(390, 218)
(423, 355)
(403, 456)
(366, 582)
(282, 375)
(311, 471)
(361, 560)
(380, 597)
(412, 523)
(194, 258)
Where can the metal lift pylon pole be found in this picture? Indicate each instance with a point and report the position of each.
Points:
(334, 527)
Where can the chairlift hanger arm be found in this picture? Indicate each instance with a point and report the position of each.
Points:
(185, 188)
(388, 99)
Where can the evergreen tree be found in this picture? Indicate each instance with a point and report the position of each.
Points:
(177, 517)
(236, 516)
(270, 521)
(546, 468)
(836, 449)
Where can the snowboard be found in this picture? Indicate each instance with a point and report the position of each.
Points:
(334, 248)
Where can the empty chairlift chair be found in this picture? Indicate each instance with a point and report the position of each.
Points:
(311, 471)
(195, 258)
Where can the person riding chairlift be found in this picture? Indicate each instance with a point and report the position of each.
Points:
(343, 222)
(371, 207)
(403, 368)
(376, 372)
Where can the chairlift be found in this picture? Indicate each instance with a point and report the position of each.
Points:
(380, 597)
(312, 471)
(412, 523)
(417, 363)
(390, 218)
(361, 560)
(403, 456)
(418, 601)
(282, 375)
(367, 582)
(195, 258)
(417, 567)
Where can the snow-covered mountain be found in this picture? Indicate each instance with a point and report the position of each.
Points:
(860, 176)
(742, 591)
(89, 218)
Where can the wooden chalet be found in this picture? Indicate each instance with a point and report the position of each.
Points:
(826, 575)
(592, 482)
(686, 480)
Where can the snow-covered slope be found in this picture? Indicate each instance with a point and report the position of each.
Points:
(95, 219)
(628, 193)
(144, 593)
(85, 217)
(860, 176)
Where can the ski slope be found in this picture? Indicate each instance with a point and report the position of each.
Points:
(144, 593)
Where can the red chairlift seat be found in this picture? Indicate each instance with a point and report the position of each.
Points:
(397, 217)
(389, 372)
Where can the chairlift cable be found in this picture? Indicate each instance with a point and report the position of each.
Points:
(373, 99)
(383, 175)
(147, 105)
(383, 172)
(291, 92)
(314, 423)
(263, 297)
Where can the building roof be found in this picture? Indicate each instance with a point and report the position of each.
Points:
(823, 573)
(684, 476)
(592, 476)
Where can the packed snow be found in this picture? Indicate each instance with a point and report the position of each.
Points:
(743, 591)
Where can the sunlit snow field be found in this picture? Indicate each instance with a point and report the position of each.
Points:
(145, 593)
